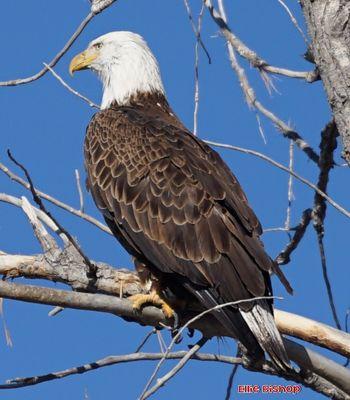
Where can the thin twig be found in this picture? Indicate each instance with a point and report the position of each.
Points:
(257, 154)
(196, 318)
(161, 342)
(232, 376)
(80, 192)
(9, 341)
(327, 281)
(164, 379)
(96, 7)
(54, 61)
(251, 97)
(290, 186)
(196, 31)
(196, 72)
(260, 128)
(145, 340)
(278, 229)
(70, 89)
(55, 311)
(112, 360)
(55, 201)
(307, 378)
(294, 21)
(283, 168)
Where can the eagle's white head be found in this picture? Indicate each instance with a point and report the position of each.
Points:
(125, 64)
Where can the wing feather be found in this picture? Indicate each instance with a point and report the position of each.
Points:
(176, 207)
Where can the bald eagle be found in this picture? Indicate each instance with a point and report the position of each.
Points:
(172, 202)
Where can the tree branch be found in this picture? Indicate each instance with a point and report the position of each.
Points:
(312, 331)
(113, 282)
(164, 379)
(70, 89)
(233, 44)
(305, 358)
(300, 229)
(53, 200)
(283, 168)
(255, 60)
(328, 26)
(294, 21)
(327, 146)
(112, 360)
(97, 6)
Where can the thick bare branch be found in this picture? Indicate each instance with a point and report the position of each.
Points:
(305, 328)
(305, 358)
(77, 249)
(70, 270)
(328, 26)
(117, 282)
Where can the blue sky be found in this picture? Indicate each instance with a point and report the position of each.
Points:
(44, 126)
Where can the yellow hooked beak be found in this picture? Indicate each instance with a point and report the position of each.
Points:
(82, 60)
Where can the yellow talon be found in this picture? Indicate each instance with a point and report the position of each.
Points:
(139, 300)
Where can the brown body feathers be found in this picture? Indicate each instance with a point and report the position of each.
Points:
(176, 207)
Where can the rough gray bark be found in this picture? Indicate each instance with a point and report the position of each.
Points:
(328, 24)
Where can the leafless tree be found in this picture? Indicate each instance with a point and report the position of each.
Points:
(104, 288)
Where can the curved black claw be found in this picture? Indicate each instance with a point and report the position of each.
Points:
(174, 332)
(190, 332)
(176, 325)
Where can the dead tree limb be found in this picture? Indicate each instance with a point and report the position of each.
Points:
(118, 283)
(305, 358)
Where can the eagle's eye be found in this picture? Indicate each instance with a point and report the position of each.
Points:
(98, 45)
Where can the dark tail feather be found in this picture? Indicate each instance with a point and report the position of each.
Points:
(261, 322)
(234, 323)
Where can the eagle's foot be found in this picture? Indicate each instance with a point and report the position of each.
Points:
(140, 300)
